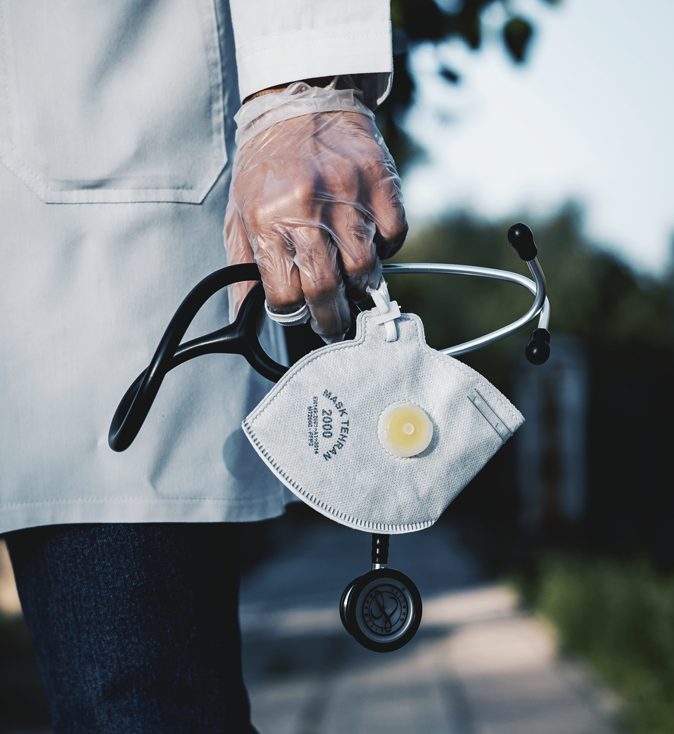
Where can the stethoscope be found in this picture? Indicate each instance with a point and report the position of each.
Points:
(382, 608)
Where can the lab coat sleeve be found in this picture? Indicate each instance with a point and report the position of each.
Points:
(289, 40)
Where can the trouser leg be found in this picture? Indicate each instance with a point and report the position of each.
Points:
(135, 626)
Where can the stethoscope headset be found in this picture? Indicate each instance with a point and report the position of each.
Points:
(381, 608)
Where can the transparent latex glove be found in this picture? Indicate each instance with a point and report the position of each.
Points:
(315, 201)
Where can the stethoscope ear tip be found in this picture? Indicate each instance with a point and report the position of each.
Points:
(522, 239)
(538, 349)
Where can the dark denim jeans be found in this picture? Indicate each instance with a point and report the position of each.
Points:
(135, 626)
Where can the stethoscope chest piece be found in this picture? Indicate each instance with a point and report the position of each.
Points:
(382, 608)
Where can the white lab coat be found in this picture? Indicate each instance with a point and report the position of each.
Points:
(115, 133)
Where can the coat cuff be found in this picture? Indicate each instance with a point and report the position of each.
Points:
(361, 49)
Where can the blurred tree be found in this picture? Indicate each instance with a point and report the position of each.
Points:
(596, 296)
(622, 320)
(418, 22)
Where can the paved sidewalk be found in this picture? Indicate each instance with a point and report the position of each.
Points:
(478, 665)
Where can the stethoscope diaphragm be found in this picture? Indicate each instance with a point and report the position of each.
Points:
(381, 609)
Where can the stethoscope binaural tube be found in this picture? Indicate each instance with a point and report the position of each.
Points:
(241, 336)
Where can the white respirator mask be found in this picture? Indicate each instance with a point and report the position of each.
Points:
(380, 433)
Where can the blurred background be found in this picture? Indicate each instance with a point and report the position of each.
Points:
(557, 562)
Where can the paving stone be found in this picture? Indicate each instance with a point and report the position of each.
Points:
(479, 665)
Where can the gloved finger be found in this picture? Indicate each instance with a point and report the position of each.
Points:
(388, 212)
(281, 279)
(353, 234)
(322, 284)
(238, 251)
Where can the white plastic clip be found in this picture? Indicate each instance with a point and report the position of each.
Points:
(387, 310)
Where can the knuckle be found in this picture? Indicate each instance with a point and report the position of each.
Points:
(373, 165)
(361, 230)
(303, 189)
(253, 217)
(259, 214)
(343, 177)
(284, 301)
(321, 290)
(395, 227)
(360, 263)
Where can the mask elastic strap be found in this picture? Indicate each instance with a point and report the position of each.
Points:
(387, 310)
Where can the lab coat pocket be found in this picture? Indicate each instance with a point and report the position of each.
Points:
(112, 101)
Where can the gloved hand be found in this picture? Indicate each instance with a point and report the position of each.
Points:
(315, 201)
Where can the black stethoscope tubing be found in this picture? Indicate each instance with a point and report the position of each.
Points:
(239, 337)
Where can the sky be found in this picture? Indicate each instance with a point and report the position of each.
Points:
(590, 117)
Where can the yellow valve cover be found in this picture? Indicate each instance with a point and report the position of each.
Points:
(405, 429)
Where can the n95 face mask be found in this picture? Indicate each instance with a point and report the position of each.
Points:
(382, 432)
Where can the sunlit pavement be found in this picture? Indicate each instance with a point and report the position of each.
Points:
(479, 665)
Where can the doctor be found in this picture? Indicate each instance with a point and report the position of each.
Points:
(117, 144)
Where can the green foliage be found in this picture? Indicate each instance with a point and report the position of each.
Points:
(418, 22)
(619, 616)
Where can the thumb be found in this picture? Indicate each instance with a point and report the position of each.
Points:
(238, 249)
